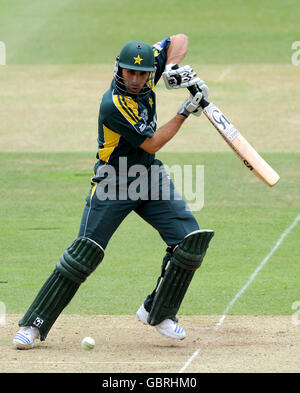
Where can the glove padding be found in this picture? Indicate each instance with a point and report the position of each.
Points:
(176, 77)
(192, 104)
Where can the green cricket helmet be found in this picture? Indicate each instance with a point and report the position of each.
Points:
(139, 56)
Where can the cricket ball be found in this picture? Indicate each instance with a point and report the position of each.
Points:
(88, 343)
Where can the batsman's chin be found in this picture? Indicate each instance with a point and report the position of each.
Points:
(134, 90)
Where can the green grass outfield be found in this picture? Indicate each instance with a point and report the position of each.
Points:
(60, 57)
(90, 31)
(42, 197)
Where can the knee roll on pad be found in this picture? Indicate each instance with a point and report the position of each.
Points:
(80, 259)
(190, 252)
(186, 259)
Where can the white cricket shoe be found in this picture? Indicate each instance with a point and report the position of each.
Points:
(25, 337)
(142, 315)
(167, 327)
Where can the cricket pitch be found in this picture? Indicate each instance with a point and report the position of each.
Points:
(251, 344)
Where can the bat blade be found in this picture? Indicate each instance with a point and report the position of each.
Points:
(249, 156)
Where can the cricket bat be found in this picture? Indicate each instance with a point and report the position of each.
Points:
(249, 156)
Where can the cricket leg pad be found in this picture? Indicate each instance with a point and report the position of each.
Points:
(186, 259)
(149, 300)
(80, 259)
(74, 266)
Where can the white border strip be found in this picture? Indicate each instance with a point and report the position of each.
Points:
(242, 290)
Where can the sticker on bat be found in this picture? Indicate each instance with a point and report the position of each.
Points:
(248, 165)
(219, 118)
(223, 125)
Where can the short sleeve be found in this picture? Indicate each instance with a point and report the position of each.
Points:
(160, 53)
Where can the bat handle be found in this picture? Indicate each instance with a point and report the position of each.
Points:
(193, 90)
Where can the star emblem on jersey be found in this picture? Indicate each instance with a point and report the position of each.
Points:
(137, 59)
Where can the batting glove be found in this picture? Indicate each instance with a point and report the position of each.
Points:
(176, 77)
(192, 104)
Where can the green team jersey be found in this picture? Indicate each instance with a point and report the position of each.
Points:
(124, 123)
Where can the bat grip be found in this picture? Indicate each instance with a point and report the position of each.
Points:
(193, 90)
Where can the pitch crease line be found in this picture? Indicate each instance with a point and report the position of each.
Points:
(224, 73)
(242, 290)
(190, 360)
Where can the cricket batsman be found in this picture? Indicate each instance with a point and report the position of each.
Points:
(128, 138)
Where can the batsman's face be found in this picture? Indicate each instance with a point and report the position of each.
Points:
(134, 80)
